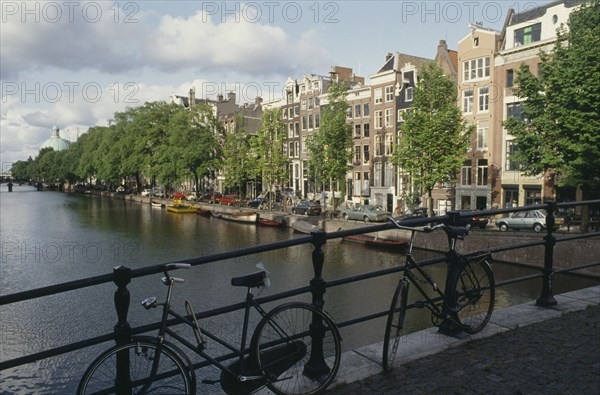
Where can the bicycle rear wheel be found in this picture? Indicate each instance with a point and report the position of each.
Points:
(475, 290)
(297, 347)
(172, 375)
(395, 327)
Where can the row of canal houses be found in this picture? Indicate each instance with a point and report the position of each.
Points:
(484, 67)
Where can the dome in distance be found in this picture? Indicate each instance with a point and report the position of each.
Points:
(55, 141)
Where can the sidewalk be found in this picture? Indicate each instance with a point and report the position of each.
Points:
(524, 349)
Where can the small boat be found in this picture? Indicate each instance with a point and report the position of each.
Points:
(241, 216)
(178, 207)
(216, 214)
(377, 242)
(269, 222)
(157, 204)
(304, 227)
(203, 212)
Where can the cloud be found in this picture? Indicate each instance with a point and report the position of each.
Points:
(109, 45)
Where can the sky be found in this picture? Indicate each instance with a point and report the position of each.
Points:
(75, 63)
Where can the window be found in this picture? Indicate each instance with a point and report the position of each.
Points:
(297, 149)
(357, 131)
(303, 144)
(476, 68)
(528, 34)
(476, 41)
(378, 169)
(467, 101)
(388, 117)
(310, 121)
(510, 78)
(389, 93)
(377, 95)
(297, 129)
(465, 173)
(291, 150)
(290, 130)
(317, 101)
(296, 111)
(533, 196)
(482, 135)
(408, 94)
(389, 175)
(378, 145)
(366, 156)
(349, 112)
(511, 197)
(378, 119)
(365, 190)
(357, 154)
(484, 99)
(510, 163)
(304, 122)
(357, 183)
(482, 171)
(310, 103)
(303, 104)
(366, 127)
(366, 109)
(317, 121)
(357, 110)
(514, 110)
(389, 143)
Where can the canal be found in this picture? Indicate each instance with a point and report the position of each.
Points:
(52, 237)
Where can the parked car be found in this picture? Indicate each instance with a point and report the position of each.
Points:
(366, 213)
(191, 197)
(534, 219)
(146, 192)
(307, 207)
(229, 200)
(256, 202)
(471, 221)
(415, 212)
(178, 195)
(211, 197)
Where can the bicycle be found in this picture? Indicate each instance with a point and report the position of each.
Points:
(465, 305)
(294, 349)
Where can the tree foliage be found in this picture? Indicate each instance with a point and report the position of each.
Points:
(560, 131)
(236, 151)
(330, 147)
(434, 136)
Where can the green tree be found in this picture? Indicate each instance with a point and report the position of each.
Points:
(434, 135)
(268, 149)
(560, 129)
(236, 150)
(330, 147)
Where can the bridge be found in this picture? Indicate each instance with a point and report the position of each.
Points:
(317, 287)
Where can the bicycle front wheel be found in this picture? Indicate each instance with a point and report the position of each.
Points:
(172, 375)
(395, 327)
(475, 290)
(297, 348)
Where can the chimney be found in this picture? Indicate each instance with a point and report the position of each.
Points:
(258, 100)
(231, 96)
(219, 97)
(192, 96)
(388, 56)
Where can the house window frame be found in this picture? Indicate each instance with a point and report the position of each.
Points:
(389, 93)
(378, 95)
(467, 101)
(483, 97)
(483, 130)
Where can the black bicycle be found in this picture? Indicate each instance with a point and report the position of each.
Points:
(466, 304)
(294, 349)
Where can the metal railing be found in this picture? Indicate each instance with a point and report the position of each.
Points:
(122, 276)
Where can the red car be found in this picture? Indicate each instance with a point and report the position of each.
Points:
(178, 195)
(228, 200)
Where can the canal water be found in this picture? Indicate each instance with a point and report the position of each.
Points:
(51, 237)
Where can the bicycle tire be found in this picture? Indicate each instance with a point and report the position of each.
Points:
(476, 292)
(177, 376)
(283, 347)
(395, 328)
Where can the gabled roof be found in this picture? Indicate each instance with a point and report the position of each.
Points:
(401, 60)
(539, 11)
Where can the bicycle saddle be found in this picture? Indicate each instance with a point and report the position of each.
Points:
(457, 231)
(255, 279)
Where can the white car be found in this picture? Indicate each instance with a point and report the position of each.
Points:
(147, 192)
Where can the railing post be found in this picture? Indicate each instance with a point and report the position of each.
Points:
(122, 330)
(316, 366)
(546, 299)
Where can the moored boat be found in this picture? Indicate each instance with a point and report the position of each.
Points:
(178, 207)
(240, 216)
(305, 227)
(377, 242)
(269, 222)
(203, 212)
(157, 204)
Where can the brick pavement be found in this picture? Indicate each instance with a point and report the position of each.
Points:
(557, 356)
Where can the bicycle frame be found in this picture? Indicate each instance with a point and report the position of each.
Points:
(239, 352)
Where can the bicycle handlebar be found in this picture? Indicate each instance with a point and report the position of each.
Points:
(455, 230)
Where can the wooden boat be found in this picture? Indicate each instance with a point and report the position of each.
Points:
(178, 207)
(240, 216)
(203, 212)
(269, 222)
(157, 204)
(377, 242)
